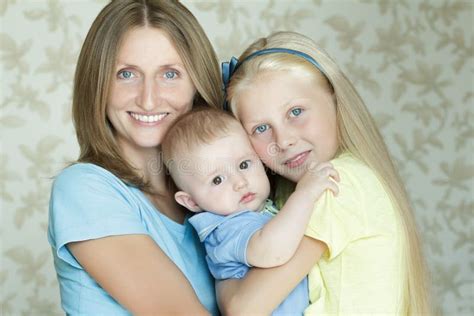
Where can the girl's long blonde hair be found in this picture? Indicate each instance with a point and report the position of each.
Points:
(96, 64)
(357, 133)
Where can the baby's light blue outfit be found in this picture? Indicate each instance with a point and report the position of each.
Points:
(89, 202)
(226, 239)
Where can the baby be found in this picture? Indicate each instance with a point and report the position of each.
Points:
(219, 177)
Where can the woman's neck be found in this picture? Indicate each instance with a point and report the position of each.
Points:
(149, 164)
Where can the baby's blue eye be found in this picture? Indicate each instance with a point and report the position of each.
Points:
(245, 164)
(171, 74)
(261, 129)
(296, 112)
(125, 74)
(217, 180)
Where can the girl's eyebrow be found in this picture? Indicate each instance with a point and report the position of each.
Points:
(252, 123)
(250, 126)
(293, 100)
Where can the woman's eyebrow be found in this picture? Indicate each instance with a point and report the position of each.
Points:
(120, 64)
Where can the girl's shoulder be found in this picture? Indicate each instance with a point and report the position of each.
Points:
(347, 163)
(356, 173)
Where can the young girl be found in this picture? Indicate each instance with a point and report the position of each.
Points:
(298, 108)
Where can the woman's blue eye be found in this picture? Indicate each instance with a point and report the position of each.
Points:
(217, 180)
(125, 74)
(245, 164)
(296, 112)
(171, 74)
(261, 129)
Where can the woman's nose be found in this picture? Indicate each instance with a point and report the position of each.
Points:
(148, 96)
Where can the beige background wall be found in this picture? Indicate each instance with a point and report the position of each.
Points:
(412, 61)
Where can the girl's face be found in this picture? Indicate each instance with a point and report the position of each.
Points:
(290, 119)
(150, 89)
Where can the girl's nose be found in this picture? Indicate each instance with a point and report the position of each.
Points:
(285, 139)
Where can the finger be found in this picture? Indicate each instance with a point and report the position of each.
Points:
(329, 172)
(324, 165)
(332, 186)
(334, 175)
(313, 166)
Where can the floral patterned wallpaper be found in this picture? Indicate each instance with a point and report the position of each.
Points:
(411, 60)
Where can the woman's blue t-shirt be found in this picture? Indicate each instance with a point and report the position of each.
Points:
(89, 202)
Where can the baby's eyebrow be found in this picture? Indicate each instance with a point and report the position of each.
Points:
(247, 155)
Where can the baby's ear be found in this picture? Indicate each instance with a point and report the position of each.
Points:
(187, 201)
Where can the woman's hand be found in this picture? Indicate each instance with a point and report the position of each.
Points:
(262, 290)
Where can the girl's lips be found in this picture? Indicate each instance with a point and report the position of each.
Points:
(249, 197)
(297, 160)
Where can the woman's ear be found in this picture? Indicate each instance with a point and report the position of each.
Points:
(187, 201)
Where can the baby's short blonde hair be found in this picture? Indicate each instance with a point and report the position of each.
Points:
(197, 127)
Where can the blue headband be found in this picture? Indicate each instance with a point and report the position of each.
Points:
(230, 67)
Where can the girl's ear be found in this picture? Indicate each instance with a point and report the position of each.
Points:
(187, 201)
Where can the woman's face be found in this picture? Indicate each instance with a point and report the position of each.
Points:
(150, 89)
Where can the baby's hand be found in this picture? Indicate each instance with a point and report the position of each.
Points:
(318, 178)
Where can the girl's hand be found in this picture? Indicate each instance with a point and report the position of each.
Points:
(317, 179)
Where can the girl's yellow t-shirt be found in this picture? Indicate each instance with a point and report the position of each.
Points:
(362, 273)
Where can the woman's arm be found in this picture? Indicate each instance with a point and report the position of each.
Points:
(138, 274)
(262, 290)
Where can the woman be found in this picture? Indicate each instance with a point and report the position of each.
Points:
(120, 242)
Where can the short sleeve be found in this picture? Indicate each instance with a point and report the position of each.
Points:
(340, 220)
(88, 202)
(227, 246)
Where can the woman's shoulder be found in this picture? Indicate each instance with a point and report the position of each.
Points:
(86, 174)
(80, 169)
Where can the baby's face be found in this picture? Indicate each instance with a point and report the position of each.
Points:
(225, 176)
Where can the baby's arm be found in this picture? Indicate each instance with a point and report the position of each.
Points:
(277, 241)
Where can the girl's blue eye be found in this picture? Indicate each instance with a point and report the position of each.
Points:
(171, 74)
(296, 112)
(261, 129)
(125, 74)
(245, 164)
(217, 180)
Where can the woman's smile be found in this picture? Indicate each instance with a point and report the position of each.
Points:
(148, 119)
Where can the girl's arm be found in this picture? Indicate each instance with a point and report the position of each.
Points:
(262, 290)
(138, 274)
(276, 242)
